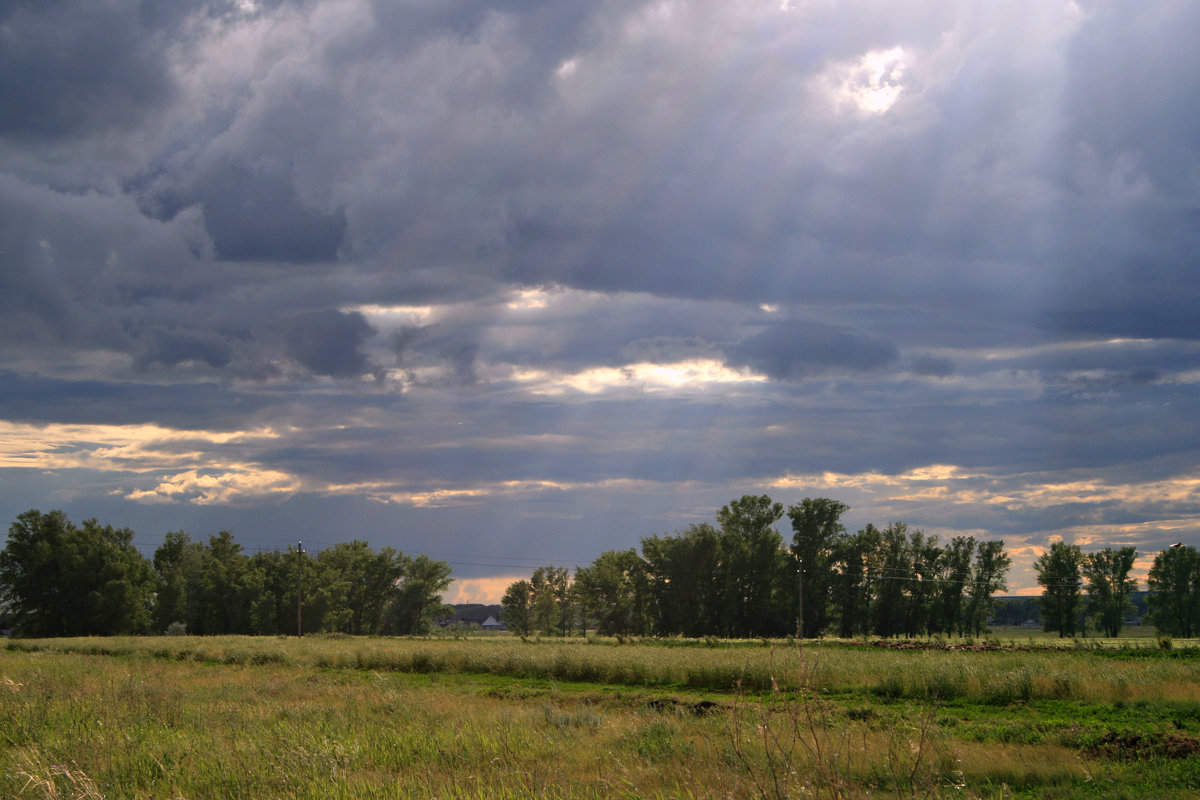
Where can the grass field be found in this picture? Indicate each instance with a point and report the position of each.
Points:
(496, 717)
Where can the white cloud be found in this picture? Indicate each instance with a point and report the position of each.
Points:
(209, 487)
(870, 85)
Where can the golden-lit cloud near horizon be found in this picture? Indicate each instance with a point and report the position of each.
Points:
(511, 490)
(203, 488)
(935, 474)
(959, 486)
(481, 590)
(130, 448)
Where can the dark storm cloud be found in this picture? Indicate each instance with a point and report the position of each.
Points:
(1127, 237)
(796, 349)
(72, 265)
(934, 366)
(330, 342)
(416, 346)
(76, 67)
(258, 216)
(171, 347)
(186, 406)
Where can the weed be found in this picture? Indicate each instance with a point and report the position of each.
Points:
(798, 745)
(53, 781)
(891, 687)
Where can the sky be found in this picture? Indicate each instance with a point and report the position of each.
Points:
(516, 282)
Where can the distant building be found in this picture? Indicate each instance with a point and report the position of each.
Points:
(491, 624)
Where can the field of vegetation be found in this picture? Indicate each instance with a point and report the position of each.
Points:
(499, 717)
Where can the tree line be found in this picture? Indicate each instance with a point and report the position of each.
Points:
(1065, 573)
(737, 579)
(60, 579)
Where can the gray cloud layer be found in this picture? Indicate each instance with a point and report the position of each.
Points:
(555, 259)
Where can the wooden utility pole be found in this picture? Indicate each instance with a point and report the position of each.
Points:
(800, 603)
(299, 585)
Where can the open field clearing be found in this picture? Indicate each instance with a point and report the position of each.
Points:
(495, 717)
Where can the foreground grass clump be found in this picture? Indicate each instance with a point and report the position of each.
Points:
(496, 717)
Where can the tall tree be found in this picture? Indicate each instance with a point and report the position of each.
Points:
(123, 580)
(988, 576)
(1174, 583)
(418, 596)
(36, 574)
(856, 566)
(685, 581)
(955, 577)
(750, 564)
(817, 528)
(612, 592)
(358, 584)
(928, 570)
(271, 584)
(1109, 586)
(225, 597)
(177, 565)
(62, 580)
(892, 582)
(1062, 598)
(517, 608)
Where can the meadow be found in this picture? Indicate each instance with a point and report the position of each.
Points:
(498, 717)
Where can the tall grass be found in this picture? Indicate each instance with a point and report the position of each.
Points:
(994, 676)
(373, 718)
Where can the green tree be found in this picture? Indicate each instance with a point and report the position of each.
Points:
(928, 577)
(271, 590)
(417, 600)
(356, 585)
(892, 581)
(955, 563)
(817, 529)
(612, 591)
(517, 608)
(1109, 586)
(177, 567)
(271, 580)
(1062, 599)
(553, 600)
(988, 576)
(684, 580)
(225, 597)
(856, 566)
(751, 567)
(62, 580)
(1174, 583)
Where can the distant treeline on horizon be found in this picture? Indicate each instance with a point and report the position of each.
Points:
(59, 579)
(735, 579)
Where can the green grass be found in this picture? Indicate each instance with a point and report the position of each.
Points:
(496, 717)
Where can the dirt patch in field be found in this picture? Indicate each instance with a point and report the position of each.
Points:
(1131, 746)
(698, 708)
